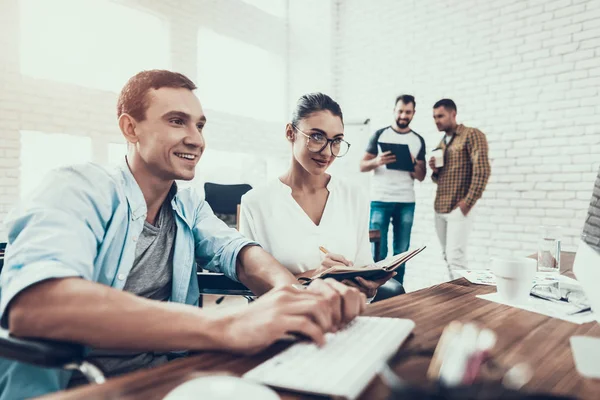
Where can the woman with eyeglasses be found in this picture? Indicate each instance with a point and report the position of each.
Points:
(306, 218)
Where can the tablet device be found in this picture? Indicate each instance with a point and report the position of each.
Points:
(403, 159)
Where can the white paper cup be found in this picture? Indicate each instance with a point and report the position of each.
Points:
(514, 278)
(438, 155)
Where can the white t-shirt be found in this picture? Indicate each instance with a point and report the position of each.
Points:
(270, 216)
(391, 185)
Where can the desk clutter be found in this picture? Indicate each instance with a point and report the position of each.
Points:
(352, 357)
(556, 296)
(462, 367)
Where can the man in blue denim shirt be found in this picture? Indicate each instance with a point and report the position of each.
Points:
(76, 270)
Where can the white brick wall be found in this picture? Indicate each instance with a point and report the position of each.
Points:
(524, 72)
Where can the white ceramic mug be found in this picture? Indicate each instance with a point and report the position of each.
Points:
(514, 278)
(438, 155)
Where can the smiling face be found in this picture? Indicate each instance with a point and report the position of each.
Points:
(318, 124)
(403, 114)
(168, 142)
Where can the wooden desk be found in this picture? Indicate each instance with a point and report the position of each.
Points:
(522, 336)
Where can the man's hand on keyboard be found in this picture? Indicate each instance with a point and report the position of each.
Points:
(280, 312)
(325, 306)
(345, 302)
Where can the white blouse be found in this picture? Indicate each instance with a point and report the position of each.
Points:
(270, 216)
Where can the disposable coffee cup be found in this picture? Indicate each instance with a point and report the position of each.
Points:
(438, 155)
(514, 278)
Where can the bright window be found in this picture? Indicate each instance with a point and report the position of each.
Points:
(240, 78)
(42, 152)
(96, 44)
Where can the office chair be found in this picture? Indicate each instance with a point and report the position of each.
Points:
(218, 284)
(46, 353)
(224, 201)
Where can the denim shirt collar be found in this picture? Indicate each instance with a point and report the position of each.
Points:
(133, 193)
(136, 200)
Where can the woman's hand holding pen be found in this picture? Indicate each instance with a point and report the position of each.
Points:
(332, 259)
(369, 288)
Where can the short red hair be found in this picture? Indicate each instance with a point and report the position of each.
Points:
(133, 99)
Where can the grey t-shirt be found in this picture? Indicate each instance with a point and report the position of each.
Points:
(151, 276)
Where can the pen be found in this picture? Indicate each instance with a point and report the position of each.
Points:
(323, 250)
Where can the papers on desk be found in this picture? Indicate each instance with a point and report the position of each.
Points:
(486, 277)
(560, 310)
(479, 276)
(555, 309)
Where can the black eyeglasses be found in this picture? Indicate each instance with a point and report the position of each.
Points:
(317, 142)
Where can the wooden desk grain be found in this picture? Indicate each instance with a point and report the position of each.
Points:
(541, 341)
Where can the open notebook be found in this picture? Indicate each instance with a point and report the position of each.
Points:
(370, 272)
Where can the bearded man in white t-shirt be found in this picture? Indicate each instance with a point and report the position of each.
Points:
(392, 191)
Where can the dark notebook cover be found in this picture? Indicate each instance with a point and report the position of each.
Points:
(369, 272)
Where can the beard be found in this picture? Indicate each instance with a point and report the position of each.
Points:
(402, 124)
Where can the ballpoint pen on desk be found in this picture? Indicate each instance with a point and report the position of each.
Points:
(581, 311)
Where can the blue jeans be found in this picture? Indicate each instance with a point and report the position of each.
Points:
(401, 215)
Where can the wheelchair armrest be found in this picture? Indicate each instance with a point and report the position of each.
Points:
(219, 284)
(39, 352)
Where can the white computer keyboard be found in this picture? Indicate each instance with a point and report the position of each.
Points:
(344, 366)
